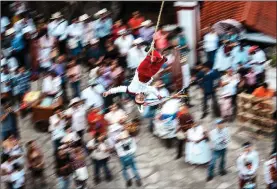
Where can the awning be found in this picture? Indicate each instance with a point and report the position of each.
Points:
(258, 37)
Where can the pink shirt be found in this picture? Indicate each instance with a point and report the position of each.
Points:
(251, 78)
(74, 74)
(161, 41)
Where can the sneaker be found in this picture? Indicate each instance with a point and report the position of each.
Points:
(209, 178)
(139, 183)
(109, 178)
(97, 181)
(129, 183)
(222, 173)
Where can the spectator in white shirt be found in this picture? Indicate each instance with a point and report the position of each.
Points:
(71, 138)
(93, 95)
(46, 45)
(100, 156)
(116, 114)
(211, 42)
(136, 54)
(78, 118)
(247, 165)
(219, 139)
(258, 58)
(229, 84)
(6, 171)
(87, 29)
(75, 34)
(270, 172)
(18, 177)
(25, 25)
(51, 84)
(56, 127)
(11, 62)
(124, 44)
(58, 28)
(5, 22)
(223, 61)
(125, 148)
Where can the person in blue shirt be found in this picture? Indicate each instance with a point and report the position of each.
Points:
(103, 27)
(8, 121)
(206, 79)
(18, 47)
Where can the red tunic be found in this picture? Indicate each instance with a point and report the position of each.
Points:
(148, 69)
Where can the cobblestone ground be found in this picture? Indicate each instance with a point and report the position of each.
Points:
(156, 163)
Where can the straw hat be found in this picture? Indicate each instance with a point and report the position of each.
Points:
(102, 11)
(121, 32)
(56, 15)
(146, 23)
(83, 17)
(74, 101)
(10, 31)
(93, 41)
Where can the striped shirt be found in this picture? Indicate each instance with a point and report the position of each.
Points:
(24, 82)
(219, 138)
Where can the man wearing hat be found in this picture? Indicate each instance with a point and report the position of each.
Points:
(103, 26)
(139, 86)
(88, 29)
(219, 139)
(136, 54)
(17, 45)
(78, 117)
(58, 28)
(124, 44)
(258, 58)
(94, 55)
(247, 164)
(92, 95)
(147, 31)
(75, 34)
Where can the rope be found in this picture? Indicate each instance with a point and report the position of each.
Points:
(156, 29)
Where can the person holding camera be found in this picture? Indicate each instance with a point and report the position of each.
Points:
(100, 155)
(125, 148)
(247, 164)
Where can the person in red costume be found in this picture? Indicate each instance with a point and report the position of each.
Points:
(140, 84)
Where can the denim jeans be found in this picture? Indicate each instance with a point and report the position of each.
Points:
(126, 162)
(76, 88)
(217, 154)
(64, 182)
(98, 164)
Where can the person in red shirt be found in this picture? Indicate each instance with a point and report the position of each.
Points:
(116, 28)
(135, 23)
(97, 123)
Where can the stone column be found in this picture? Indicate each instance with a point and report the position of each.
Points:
(188, 17)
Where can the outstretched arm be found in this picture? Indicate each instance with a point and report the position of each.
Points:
(120, 89)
